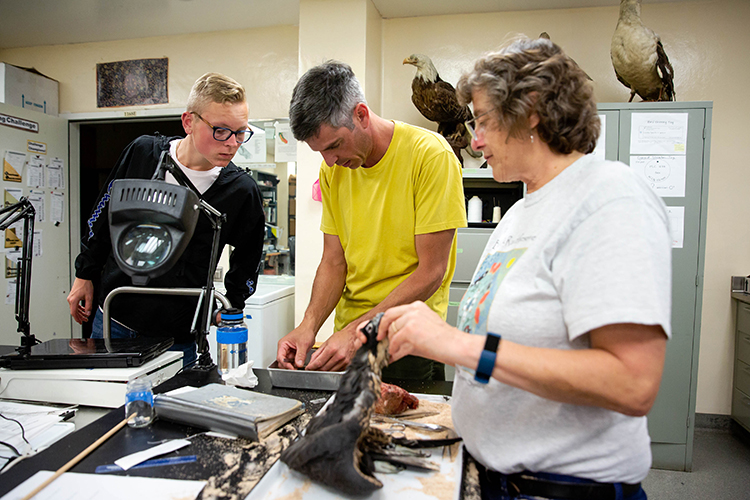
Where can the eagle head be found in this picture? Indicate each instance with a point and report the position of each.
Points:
(425, 69)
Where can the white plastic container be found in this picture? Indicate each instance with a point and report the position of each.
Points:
(474, 213)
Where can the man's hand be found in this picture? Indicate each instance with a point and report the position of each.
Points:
(336, 352)
(81, 292)
(293, 347)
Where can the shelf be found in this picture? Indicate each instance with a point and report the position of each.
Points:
(477, 173)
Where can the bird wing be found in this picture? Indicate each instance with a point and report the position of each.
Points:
(437, 101)
(666, 73)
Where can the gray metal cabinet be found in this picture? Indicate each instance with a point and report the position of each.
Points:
(671, 420)
(741, 387)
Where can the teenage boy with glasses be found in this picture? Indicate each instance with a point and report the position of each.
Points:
(215, 124)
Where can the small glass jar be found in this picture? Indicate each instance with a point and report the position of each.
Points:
(139, 400)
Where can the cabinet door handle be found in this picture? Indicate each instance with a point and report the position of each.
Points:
(746, 307)
(746, 338)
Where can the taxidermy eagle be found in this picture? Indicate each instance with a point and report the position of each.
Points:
(339, 447)
(436, 100)
(638, 57)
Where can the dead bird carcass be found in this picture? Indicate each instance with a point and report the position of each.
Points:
(334, 448)
(339, 447)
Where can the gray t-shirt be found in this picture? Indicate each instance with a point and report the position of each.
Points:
(590, 248)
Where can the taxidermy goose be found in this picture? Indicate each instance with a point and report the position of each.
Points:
(436, 100)
(638, 57)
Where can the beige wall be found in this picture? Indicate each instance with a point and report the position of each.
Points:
(263, 60)
(709, 46)
(707, 42)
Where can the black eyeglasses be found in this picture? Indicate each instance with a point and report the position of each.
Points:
(223, 134)
(472, 125)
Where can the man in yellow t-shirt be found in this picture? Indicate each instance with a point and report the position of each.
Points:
(392, 200)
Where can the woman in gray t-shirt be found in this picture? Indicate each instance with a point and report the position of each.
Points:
(576, 280)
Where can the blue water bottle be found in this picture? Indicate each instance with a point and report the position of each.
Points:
(231, 338)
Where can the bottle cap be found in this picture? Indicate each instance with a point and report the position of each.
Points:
(231, 314)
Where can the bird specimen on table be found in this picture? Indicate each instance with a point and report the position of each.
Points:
(436, 100)
(340, 447)
(638, 57)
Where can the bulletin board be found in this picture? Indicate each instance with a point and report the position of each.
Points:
(34, 148)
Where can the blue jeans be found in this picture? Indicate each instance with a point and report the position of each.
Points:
(118, 331)
(495, 487)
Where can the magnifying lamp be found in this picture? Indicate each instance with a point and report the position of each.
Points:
(151, 223)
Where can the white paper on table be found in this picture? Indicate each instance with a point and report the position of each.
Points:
(74, 485)
(134, 459)
(677, 225)
(57, 209)
(658, 133)
(665, 174)
(55, 177)
(42, 425)
(35, 175)
(242, 376)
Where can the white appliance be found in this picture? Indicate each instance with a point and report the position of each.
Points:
(85, 386)
(269, 315)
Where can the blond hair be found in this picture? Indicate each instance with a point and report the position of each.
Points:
(214, 87)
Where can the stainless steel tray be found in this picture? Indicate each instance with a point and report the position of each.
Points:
(303, 379)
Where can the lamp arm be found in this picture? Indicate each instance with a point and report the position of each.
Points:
(167, 164)
(23, 209)
(152, 291)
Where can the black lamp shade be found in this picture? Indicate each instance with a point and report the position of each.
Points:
(151, 223)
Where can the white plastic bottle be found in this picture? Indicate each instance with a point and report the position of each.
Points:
(475, 209)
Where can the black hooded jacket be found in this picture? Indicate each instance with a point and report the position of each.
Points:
(234, 193)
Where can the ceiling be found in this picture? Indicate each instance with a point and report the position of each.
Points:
(31, 23)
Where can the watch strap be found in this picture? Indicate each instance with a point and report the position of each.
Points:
(487, 358)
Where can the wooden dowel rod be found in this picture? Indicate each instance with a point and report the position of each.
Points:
(78, 457)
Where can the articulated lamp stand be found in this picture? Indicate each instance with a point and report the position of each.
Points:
(201, 337)
(10, 215)
(152, 202)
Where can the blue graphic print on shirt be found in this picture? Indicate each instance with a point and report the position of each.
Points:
(474, 309)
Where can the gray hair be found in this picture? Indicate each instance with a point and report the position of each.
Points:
(325, 95)
(535, 76)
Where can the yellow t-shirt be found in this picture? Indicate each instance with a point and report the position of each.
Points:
(416, 188)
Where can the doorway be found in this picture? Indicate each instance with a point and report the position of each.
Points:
(100, 146)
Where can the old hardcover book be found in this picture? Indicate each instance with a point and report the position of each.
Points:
(228, 409)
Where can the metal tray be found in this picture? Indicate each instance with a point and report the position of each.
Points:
(303, 379)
